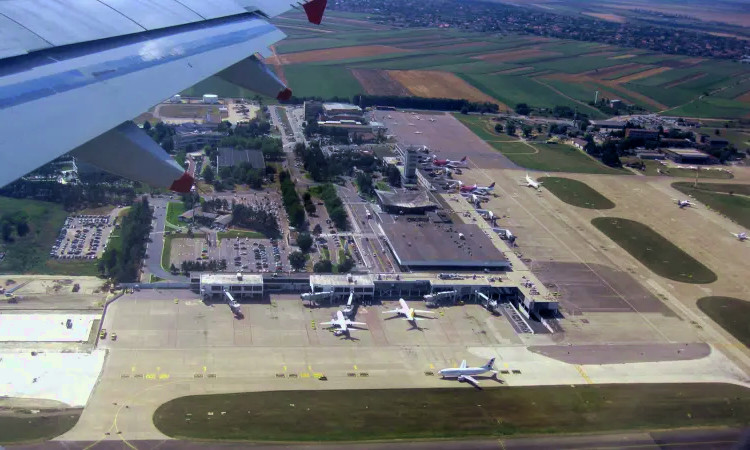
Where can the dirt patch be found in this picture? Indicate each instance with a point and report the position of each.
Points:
(512, 71)
(744, 97)
(429, 43)
(623, 56)
(605, 53)
(428, 83)
(333, 54)
(515, 55)
(640, 75)
(379, 82)
(608, 17)
(606, 71)
(692, 77)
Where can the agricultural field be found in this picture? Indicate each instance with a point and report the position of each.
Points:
(541, 72)
(322, 81)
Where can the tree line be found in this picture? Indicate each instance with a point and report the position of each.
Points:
(14, 224)
(200, 266)
(123, 264)
(294, 209)
(94, 190)
(334, 204)
(254, 217)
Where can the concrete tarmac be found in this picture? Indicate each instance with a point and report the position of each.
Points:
(688, 439)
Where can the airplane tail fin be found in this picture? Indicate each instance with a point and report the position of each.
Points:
(492, 185)
(463, 159)
(490, 364)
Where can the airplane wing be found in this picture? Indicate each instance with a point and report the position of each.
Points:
(419, 311)
(75, 72)
(357, 323)
(463, 365)
(414, 318)
(471, 380)
(329, 323)
(393, 311)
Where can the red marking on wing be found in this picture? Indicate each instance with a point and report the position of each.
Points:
(183, 184)
(314, 10)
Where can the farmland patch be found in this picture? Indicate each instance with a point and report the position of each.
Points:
(439, 84)
(639, 75)
(322, 81)
(379, 82)
(684, 79)
(334, 54)
(516, 55)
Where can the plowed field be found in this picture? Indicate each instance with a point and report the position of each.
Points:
(639, 75)
(333, 54)
(427, 83)
(379, 82)
(516, 55)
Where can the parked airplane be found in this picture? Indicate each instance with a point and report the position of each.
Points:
(343, 324)
(467, 189)
(417, 132)
(683, 203)
(486, 189)
(431, 119)
(448, 162)
(531, 183)
(464, 373)
(741, 236)
(66, 59)
(409, 314)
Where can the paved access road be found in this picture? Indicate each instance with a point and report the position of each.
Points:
(700, 439)
(152, 264)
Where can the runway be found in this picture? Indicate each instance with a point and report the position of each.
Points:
(698, 439)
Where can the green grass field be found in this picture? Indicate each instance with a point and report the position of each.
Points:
(36, 428)
(513, 90)
(711, 107)
(174, 211)
(537, 156)
(730, 313)
(30, 254)
(576, 193)
(374, 414)
(322, 81)
(716, 197)
(654, 251)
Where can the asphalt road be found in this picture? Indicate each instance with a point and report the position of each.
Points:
(152, 264)
(698, 439)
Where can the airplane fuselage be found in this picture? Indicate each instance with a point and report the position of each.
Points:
(458, 372)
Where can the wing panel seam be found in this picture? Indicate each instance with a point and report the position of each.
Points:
(25, 28)
(122, 14)
(191, 9)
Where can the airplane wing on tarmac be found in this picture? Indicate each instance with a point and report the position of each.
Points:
(73, 73)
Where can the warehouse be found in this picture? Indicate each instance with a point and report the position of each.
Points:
(687, 156)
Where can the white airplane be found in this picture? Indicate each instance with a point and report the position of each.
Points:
(409, 314)
(431, 119)
(741, 236)
(417, 132)
(65, 59)
(683, 203)
(531, 183)
(464, 373)
(485, 189)
(343, 324)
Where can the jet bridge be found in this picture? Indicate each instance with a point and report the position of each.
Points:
(316, 298)
(233, 304)
(488, 303)
(434, 300)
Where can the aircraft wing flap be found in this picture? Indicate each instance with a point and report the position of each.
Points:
(471, 380)
(88, 94)
(16, 40)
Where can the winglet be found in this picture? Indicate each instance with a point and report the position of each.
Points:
(284, 95)
(314, 10)
(183, 184)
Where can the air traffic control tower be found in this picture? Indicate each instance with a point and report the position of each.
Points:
(409, 171)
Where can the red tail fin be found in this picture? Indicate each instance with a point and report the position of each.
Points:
(463, 159)
(314, 10)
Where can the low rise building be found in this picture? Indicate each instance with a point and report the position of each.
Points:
(197, 135)
(688, 156)
(579, 143)
(228, 157)
(639, 133)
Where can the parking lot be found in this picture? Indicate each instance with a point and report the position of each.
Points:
(82, 237)
(241, 254)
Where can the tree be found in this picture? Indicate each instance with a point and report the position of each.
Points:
(346, 265)
(523, 109)
(498, 128)
(317, 229)
(539, 128)
(208, 174)
(526, 130)
(510, 129)
(310, 208)
(717, 132)
(323, 266)
(304, 242)
(465, 110)
(297, 260)
(173, 268)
